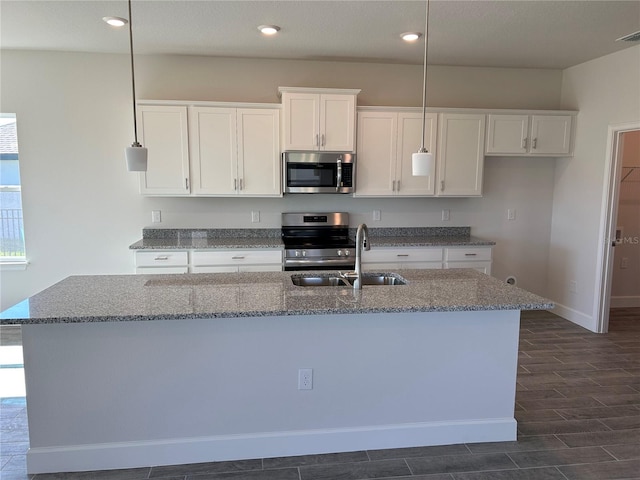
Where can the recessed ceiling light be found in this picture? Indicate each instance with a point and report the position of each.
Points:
(115, 21)
(269, 29)
(411, 36)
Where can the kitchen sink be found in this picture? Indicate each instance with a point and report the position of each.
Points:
(346, 280)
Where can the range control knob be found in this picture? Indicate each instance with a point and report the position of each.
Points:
(297, 253)
(347, 253)
(340, 253)
(304, 253)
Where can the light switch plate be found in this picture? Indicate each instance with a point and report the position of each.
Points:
(255, 216)
(446, 215)
(376, 215)
(156, 216)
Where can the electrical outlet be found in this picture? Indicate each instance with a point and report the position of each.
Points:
(156, 216)
(624, 263)
(573, 286)
(255, 216)
(376, 215)
(446, 215)
(305, 379)
(511, 214)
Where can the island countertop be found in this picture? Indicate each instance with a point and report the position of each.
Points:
(113, 298)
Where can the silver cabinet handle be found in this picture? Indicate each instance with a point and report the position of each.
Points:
(524, 142)
(186, 183)
(470, 254)
(235, 184)
(237, 258)
(241, 184)
(442, 185)
(402, 255)
(317, 140)
(162, 257)
(534, 143)
(393, 186)
(323, 143)
(398, 185)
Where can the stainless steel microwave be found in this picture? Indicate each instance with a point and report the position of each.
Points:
(319, 172)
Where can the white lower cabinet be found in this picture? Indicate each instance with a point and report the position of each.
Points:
(208, 261)
(234, 260)
(386, 258)
(402, 257)
(162, 261)
(468, 257)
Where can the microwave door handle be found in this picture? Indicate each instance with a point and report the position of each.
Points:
(339, 176)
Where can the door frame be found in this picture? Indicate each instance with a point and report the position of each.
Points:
(608, 216)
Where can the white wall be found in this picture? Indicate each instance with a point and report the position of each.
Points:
(82, 208)
(605, 91)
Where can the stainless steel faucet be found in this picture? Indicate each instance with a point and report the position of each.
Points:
(362, 240)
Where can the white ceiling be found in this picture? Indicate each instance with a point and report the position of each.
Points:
(497, 33)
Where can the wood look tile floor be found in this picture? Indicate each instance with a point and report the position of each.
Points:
(577, 406)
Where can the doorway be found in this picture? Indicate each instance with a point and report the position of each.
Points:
(619, 223)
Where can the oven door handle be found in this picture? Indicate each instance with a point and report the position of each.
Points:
(337, 262)
(339, 174)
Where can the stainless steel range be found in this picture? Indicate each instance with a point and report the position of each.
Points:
(317, 241)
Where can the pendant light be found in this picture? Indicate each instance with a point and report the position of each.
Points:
(422, 162)
(136, 154)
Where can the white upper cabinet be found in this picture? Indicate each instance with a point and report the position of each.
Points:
(541, 135)
(163, 130)
(214, 152)
(460, 154)
(319, 119)
(225, 151)
(235, 151)
(386, 141)
(259, 152)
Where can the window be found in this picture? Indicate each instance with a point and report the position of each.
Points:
(11, 226)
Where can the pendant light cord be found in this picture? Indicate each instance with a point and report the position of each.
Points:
(133, 80)
(424, 76)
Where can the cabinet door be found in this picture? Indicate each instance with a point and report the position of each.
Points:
(300, 122)
(259, 152)
(460, 155)
(376, 161)
(214, 151)
(409, 140)
(337, 122)
(163, 130)
(550, 134)
(507, 134)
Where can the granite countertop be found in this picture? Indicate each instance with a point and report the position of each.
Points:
(187, 239)
(112, 298)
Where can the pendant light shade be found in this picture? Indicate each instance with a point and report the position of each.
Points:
(136, 154)
(422, 162)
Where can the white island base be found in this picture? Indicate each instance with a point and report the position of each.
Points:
(107, 395)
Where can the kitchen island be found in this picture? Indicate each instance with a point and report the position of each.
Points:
(127, 371)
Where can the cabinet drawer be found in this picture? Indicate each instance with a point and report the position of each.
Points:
(467, 254)
(161, 258)
(236, 257)
(484, 267)
(402, 255)
(156, 270)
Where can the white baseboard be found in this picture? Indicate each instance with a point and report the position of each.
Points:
(579, 318)
(177, 451)
(625, 302)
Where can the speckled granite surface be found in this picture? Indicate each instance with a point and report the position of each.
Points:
(104, 298)
(176, 239)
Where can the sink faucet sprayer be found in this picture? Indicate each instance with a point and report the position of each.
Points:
(362, 240)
